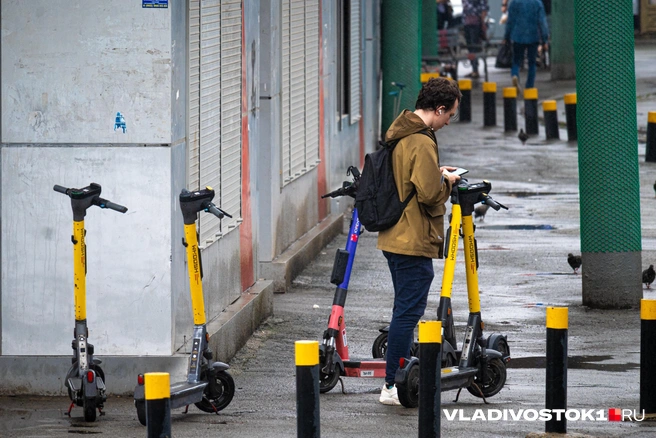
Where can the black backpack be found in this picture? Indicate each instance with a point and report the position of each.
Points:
(377, 198)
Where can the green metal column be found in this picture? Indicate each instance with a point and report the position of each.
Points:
(563, 65)
(401, 54)
(429, 28)
(607, 139)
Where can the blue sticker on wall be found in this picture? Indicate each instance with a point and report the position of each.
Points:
(154, 3)
(119, 123)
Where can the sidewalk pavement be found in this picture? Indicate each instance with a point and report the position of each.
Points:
(523, 269)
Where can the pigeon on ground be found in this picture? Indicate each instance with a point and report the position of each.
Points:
(648, 275)
(574, 262)
(480, 211)
(522, 136)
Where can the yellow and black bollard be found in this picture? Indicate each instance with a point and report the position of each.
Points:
(648, 356)
(489, 104)
(510, 109)
(158, 405)
(570, 116)
(307, 389)
(650, 153)
(531, 111)
(556, 396)
(430, 402)
(550, 109)
(465, 86)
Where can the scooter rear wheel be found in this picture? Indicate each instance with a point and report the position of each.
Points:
(408, 391)
(495, 378)
(89, 409)
(141, 411)
(218, 394)
(379, 348)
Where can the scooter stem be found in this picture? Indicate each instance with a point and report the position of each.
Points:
(195, 277)
(80, 270)
(452, 248)
(470, 264)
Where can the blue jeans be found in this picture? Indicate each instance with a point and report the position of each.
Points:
(412, 277)
(518, 59)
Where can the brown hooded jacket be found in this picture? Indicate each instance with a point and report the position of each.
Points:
(415, 160)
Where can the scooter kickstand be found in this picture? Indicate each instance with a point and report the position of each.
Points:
(457, 396)
(70, 408)
(186, 409)
(341, 382)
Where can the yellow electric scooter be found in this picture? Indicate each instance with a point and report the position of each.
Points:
(85, 379)
(482, 361)
(209, 385)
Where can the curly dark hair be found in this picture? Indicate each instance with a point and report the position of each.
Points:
(437, 92)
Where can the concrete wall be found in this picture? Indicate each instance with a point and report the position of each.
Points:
(128, 255)
(68, 66)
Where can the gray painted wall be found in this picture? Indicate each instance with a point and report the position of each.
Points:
(68, 67)
(128, 255)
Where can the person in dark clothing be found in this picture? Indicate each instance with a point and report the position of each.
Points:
(474, 16)
(444, 14)
(418, 237)
(526, 28)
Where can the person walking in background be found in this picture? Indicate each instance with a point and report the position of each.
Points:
(526, 28)
(418, 237)
(444, 14)
(474, 16)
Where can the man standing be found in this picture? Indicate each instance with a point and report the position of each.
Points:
(418, 237)
(474, 16)
(526, 28)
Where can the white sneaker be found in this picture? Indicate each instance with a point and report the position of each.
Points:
(389, 397)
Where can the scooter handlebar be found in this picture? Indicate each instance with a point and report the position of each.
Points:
(494, 204)
(60, 189)
(216, 211)
(104, 203)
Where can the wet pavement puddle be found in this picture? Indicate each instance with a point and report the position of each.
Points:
(575, 363)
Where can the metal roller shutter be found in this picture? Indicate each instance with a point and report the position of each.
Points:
(210, 111)
(231, 82)
(312, 27)
(194, 95)
(354, 61)
(215, 109)
(300, 87)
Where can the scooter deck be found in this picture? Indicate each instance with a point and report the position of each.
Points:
(186, 393)
(455, 377)
(365, 368)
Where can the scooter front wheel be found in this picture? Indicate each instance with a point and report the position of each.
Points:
(217, 394)
(408, 391)
(495, 378)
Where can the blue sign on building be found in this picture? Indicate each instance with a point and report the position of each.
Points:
(154, 3)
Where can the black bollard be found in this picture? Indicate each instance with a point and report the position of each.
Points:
(531, 111)
(465, 86)
(489, 104)
(307, 389)
(648, 356)
(158, 405)
(570, 116)
(430, 384)
(550, 109)
(556, 397)
(650, 153)
(510, 109)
